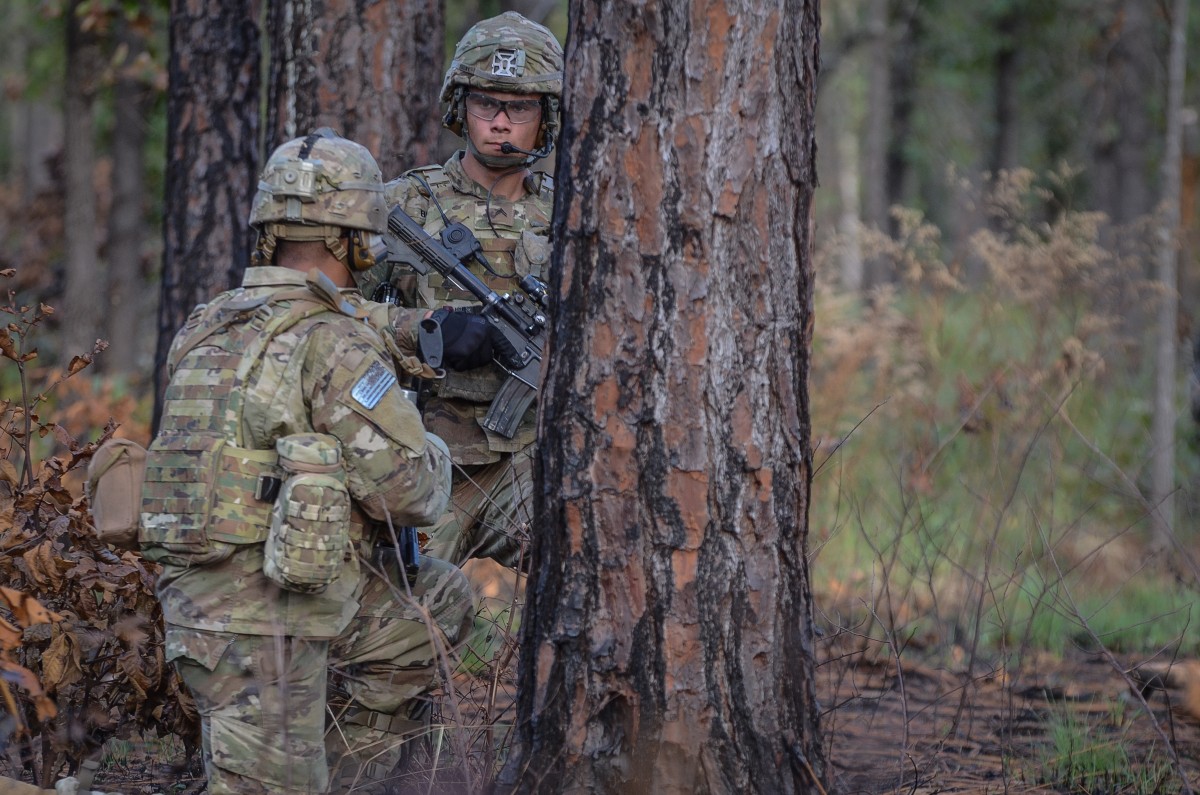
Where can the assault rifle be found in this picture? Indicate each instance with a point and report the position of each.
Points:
(520, 316)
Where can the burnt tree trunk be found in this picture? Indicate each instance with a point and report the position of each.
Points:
(668, 638)
(212, 161)
(371, 71)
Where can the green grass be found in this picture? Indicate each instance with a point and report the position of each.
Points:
(983, 455)
(1080, 759)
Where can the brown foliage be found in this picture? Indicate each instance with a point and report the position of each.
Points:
(92, 627)
(83, 634)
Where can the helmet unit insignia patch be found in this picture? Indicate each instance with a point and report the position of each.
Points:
(508, 63)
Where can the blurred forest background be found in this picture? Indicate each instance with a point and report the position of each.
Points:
(1004, 250)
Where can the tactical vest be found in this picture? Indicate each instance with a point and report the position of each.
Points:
(204, 493)
(514, 241)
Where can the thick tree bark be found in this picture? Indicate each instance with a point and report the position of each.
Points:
(85, 277)
(371, 71)
(212, 161)
(668, 644)
(126, 293)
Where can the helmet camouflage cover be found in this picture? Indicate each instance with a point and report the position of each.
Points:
(319, 180)
(505, 53)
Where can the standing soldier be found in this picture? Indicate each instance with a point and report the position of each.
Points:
(279, 490)
(502, 90)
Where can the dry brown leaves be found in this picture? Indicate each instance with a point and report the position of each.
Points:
(27, 611)
(83, 640)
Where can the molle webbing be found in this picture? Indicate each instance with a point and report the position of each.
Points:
(230, 513)
(499, 253)
(205, 400)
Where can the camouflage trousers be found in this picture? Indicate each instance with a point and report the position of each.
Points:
(279, 713)
(490, 514)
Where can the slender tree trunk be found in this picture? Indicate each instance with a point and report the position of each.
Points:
(877, 196)
(1165, 408)
(878, 117)
(849, 222)
(1124, 143)
(81, 314)
(212, 162)
(1005, 105)
(371, 71)
(126, 296)
(35, 125)
(668, 641)
(903, 92)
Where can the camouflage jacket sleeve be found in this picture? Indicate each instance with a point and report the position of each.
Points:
(393, 467)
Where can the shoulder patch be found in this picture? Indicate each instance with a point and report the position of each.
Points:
(373, 385)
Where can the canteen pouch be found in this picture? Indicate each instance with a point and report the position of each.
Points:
(114, 491)
(309, 538)
(178, 494)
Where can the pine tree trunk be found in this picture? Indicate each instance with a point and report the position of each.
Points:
(902, 90)
(878, 117)
(1124, 138)
(1005, 102)
(371, 71)
(212, 160)
(1166, 409)
(85, 277)
(668, 641)
(127, 298)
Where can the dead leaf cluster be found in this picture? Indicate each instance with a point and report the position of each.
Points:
(89, 649)
(81, 631)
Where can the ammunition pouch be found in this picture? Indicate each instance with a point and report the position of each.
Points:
(309, 537)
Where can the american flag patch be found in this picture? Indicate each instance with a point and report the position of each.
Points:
(374, 384)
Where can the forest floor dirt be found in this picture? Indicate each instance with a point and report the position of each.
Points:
(1051, 726)
(1073, 725)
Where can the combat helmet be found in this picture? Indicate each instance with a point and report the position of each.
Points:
(318, 188)
(506, 53)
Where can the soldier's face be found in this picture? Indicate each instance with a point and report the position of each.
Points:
(489, 134)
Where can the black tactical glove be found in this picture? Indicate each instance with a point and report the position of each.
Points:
(470, 341)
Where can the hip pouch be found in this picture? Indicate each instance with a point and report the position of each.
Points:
(114, 491)
(309, 537)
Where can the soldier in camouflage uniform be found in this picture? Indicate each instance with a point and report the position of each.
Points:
(287, 463)
(502, 89)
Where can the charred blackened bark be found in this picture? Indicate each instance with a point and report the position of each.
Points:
(212, 162)
(371, 71)
(668, 643)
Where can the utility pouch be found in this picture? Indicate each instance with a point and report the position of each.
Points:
(309, 538)
(178, 494)
(114, 491)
